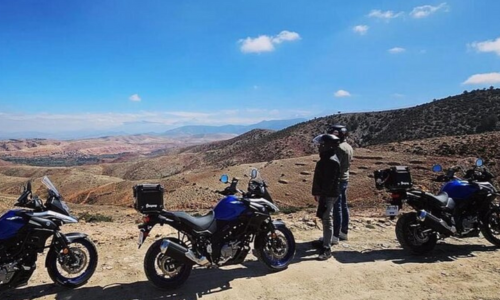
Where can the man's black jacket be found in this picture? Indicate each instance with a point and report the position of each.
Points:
(326, 175)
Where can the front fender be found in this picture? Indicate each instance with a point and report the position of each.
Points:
(71, 237)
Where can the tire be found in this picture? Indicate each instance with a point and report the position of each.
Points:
(276, 253)
(156, 262)
(77, 274)
(490, 227)
(411, 238)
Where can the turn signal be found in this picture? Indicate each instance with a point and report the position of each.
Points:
(146, 219)
(65, 251)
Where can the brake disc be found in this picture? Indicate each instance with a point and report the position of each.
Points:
(74, 265)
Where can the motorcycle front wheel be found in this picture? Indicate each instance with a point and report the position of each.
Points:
(490, 227)
(75, 268)
(276, 249)
(162, 270)
(411, 236)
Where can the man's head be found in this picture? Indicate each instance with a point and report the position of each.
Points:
(326, 142)
(339, 130)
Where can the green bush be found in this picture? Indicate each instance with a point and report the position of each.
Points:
(94, 218)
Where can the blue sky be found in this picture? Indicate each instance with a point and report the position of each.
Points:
(154, 65)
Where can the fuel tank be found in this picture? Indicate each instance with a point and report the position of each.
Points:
(229, 208)
(10, 224)
(459, 189)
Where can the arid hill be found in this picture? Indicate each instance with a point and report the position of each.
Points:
(43, 152)
(470, 113)
(190, 182)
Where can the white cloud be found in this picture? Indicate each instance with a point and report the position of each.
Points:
(398, 95)
(135, 98)
(487, 46)
(361, 29)
(396, 50)
(265, 43)
(342, 93)
(287, 36)
(485, 78)
(424, 11)
(384, 15)
(259, 44)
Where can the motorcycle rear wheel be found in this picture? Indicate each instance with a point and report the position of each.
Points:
(163, 271)
(490, 227)
(410, 236)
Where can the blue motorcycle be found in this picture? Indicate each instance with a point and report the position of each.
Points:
(221, 237)
(463, 208)
(72, 257)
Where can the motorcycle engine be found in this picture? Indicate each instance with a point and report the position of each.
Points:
(468, 224)
(7, 271)
(228, 251)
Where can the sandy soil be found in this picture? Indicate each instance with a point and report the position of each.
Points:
(371, 265)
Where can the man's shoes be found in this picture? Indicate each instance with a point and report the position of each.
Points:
(324, 254)
(335, 240)
(343, 236)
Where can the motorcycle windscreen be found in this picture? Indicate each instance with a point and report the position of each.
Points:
(459, 189)
(10, 224)
(229, 208)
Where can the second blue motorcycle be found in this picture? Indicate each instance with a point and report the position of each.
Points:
(464, 207)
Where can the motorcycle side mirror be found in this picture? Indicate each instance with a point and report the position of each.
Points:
(437, 168)
(479, 162)
(254, 173)
(224, 178)
(28, 186)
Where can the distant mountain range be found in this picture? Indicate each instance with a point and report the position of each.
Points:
(149, 128)
(232, 129)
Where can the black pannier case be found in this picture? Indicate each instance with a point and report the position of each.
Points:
(394, 178)
(148, 198)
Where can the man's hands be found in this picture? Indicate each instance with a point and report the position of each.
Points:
(316, 198)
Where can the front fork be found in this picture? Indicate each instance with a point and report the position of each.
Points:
(60, 243)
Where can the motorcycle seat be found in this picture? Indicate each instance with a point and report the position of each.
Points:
(443, 199)
(197, 223)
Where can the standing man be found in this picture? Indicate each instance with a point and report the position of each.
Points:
(325, 188)
(340, 209)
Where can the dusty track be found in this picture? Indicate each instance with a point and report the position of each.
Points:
(371, 265)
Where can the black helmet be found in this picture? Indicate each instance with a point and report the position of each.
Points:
(326, 142)
(338, 130)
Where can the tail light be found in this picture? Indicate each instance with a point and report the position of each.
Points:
(395, 195)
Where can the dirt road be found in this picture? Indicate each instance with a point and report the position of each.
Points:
(371, 265)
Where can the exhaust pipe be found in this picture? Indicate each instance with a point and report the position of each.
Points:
(435, 223)
(181, 253)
